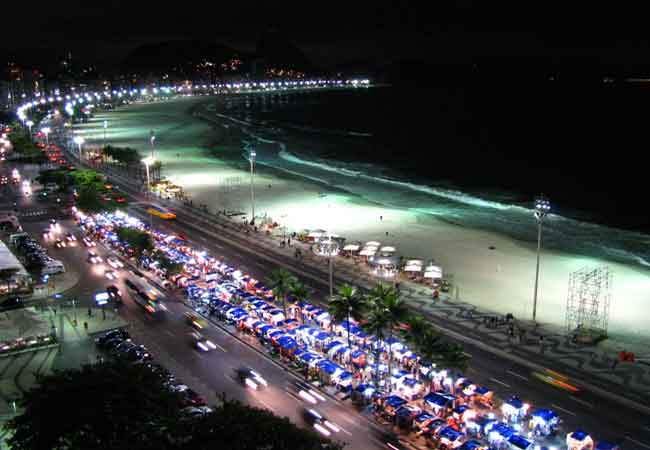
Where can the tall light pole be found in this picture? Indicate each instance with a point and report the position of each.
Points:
(79, 140)
(105, 126)
(251, 159)
(330, 250)
(46, 131)
(152, 139)
(147, 162)
(30, 124)
(542, 207)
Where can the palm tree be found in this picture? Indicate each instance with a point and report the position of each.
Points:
(280, 282)
(299, 293)
(397, 313)
(347, 304)
(6, 275)
(376, 325)
(418, 332)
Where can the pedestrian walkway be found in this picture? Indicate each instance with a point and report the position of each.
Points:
(596, 364)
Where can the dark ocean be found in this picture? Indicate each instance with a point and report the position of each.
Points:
(476, 154)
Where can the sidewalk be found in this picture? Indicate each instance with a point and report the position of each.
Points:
(593, 363)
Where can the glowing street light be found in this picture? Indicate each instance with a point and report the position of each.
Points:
(46, 131)
(148, 161)
(105, 126)
(152, 138)
(542, 207)
(251, 159)
(30, 124)
(79, 140)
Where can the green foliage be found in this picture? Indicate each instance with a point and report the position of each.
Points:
(347, 304)
(87, 177)
(171, 267)
(236, 426)
(280, 281)
(123, 155)
(138, 240)
(126, 406)
(108, 405)
(90, 200)
(60, 177)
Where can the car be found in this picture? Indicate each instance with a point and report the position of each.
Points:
(111, 274)
(124, 346)
(111, 344)
(195, 321)
(70, 237)
(251, 378)
(306, 392)
(320, 422)
(114, 293)
(54, 226)
(179, 387)
(201, 342)
(47, 234)
(192, 398)
(195, 411)
(4, 179)
(88, 242)
(60, 244)
(120, 199)
(114, 262)
(131, 285)
(137, 354)
(94, 258)
(110, 335)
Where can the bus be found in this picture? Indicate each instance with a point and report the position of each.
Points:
(146, 296)
(159, 211)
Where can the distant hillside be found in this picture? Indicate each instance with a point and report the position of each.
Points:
(275, 49)
(165, 55)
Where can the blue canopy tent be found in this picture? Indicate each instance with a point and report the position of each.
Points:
(287, 343)
(450, 435)
(331, 345)
(606, 445)
(392, 402)
(471, 445)
(310, 358)
(518, 442)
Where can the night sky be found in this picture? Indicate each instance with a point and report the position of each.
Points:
(335, 32)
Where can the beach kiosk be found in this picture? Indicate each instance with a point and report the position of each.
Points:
(518, 442)
(498, 434)
(544, 422)
(473, 445)
(439, 403)
(514, 410)
(579, 440)
(450, 438)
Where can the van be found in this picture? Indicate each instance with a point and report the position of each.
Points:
(53, 267)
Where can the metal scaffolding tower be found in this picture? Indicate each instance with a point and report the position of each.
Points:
(587, 309)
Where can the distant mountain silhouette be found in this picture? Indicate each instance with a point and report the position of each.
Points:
(274, 49)
(165, 55)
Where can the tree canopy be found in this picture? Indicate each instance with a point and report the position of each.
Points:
(119, 406)
(138, 240)
(123, 155)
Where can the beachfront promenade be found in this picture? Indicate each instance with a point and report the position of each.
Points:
(587, 366)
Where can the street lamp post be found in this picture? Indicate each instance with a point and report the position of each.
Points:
(330, 263)
(542, 207)
(79, 140)
(46, 131)
(152, 139)
(251, 158)
(30, 124)
(147, 162)
(104, 140)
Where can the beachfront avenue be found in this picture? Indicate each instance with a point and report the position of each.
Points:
(480, 366)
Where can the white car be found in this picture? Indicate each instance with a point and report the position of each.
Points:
(114, 262)
(89, 243)
(202, 343)
(94, 258)
(111, 274)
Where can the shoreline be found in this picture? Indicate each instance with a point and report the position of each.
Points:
(496, 280)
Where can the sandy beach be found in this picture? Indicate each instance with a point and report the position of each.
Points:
(200, 157)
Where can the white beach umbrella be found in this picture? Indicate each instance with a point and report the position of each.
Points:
(414, 262)
(351, 248)
(413, 268)
(373, 244)
(387, 249)
(317, 233)
(367, 252)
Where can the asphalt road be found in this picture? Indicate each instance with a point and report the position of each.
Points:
(584, 410)
(210, 373)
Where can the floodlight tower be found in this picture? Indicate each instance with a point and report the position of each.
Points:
(542, 207)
